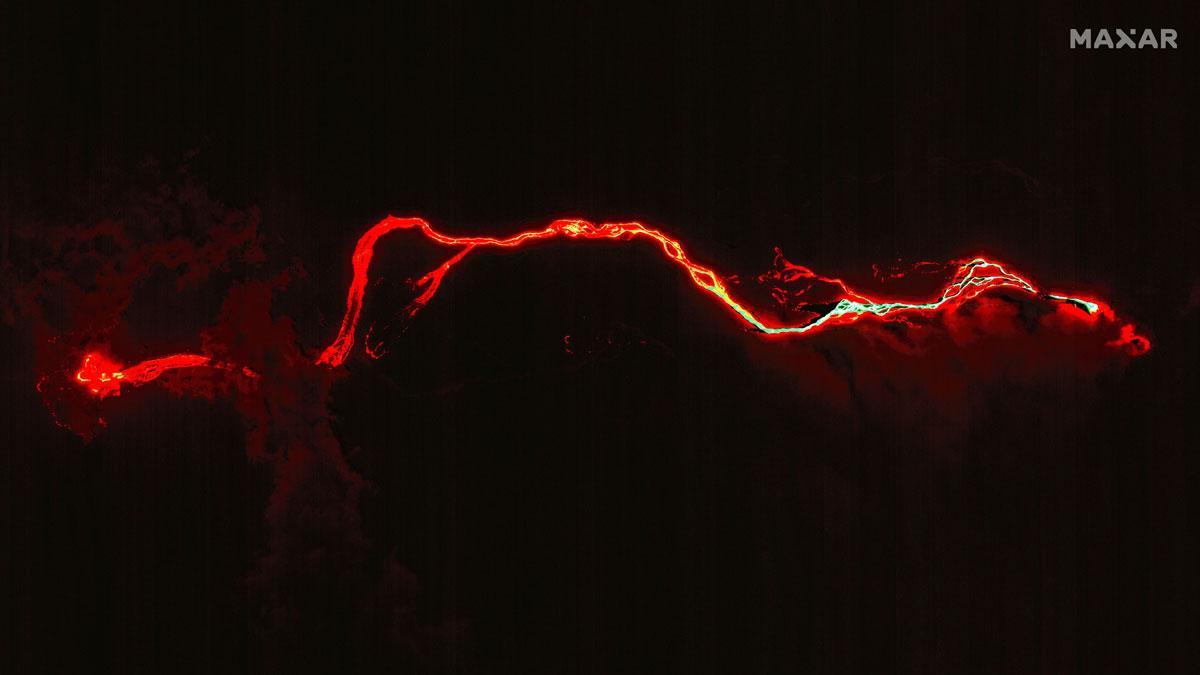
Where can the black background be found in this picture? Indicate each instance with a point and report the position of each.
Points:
(673, 508)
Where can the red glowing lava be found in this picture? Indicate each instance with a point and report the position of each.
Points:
(103, 377)
(971, 278)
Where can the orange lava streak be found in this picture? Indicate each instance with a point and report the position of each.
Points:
(104, 377)
(972, 278)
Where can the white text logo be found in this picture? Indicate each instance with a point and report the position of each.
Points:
(1119, 38)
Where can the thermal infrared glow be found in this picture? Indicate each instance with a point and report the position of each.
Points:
(971, 278)
(103, 377)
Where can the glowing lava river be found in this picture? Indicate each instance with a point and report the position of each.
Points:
(102, 376)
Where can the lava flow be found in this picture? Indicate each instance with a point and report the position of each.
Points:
(971, 277)
(103, 376)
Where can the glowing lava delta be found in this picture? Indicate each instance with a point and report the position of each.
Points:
(103, 377)
(972, 277)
